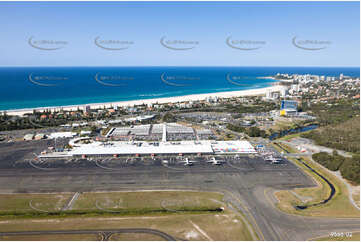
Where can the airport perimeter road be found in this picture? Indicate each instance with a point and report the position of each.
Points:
(104, 234)
(248, 184)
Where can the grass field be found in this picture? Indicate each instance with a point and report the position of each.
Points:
(111, 203)
(281, 124)
(200, 225)
(288, 148)
(184, 227)
(22, 202)
(338, 206)
(134, 237)
(155, 200)
(291, 136)
(58, 237)
(354, 237)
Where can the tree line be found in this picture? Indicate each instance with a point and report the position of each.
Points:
(344, 136)
(348, 167)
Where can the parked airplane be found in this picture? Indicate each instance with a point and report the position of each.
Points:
(187, 162)
(215, 162)
(273, 160)
(276, 161)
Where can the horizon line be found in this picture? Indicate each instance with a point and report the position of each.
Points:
(179, 66)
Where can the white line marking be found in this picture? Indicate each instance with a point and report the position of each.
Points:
(201, 231)
(71, 202)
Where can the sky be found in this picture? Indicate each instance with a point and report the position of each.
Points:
(180, 34)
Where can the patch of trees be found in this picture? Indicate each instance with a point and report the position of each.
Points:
(251, 131)
(257, 108)
(331, 162)
(8, 123)
(256, 132)
(334, 112)
(344, 136)
(236, 128)
(169, 118)
(349, 167)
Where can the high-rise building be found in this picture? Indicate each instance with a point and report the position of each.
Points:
(284, 91)
(268, 94)
(87, 108)
(288, 107)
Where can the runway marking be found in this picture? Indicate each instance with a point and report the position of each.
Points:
(249, 215)
(273, 205)
(107, 168)
(37, 209)
(201, 231)
(40, 168)
(164, 206)
(268, 198)
(71, 202)
(173, 168)
(104, 209)
(238, 168)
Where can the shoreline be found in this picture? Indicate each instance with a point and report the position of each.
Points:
(175, 99)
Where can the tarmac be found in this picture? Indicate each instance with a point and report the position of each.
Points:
(248, 184)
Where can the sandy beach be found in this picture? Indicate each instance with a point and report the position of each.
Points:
(194, 97)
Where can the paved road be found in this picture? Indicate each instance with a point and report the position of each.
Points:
(311, 146)
(297, 154)
(105, 233)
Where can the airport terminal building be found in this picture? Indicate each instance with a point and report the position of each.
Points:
(144, 148)
(119, 148)
(171, 139)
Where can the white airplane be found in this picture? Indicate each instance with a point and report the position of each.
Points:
(277, 160)
(273, 160)
(215, 162)
(187, 162)
(268, 158)
(267, 153)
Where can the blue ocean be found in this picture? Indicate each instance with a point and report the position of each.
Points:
(32, 87)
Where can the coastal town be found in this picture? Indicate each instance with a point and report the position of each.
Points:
(260, 110)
